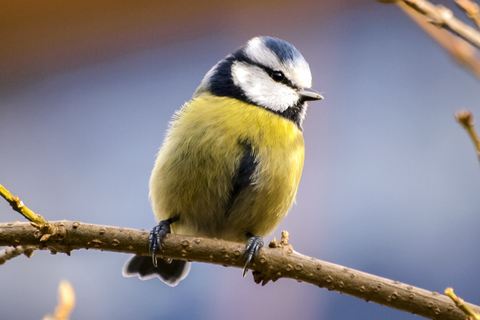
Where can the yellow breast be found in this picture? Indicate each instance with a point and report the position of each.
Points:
(192, 177)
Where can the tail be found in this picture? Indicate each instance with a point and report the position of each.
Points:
(170, 273)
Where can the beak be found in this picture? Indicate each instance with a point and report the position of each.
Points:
(307, 94)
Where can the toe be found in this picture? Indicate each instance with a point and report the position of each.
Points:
(156, 238)
(254, 244)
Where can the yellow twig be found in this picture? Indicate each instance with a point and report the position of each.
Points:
(18, 206)
(465, 118)
(46, 228)
(461, 304)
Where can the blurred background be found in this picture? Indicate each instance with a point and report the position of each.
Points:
(391, 182)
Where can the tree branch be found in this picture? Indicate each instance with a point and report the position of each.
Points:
(471, 10)
(460, 50)
(443, 17)
(10, 253)
(461, 304)
(278, 261)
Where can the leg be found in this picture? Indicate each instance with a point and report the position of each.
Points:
(156, 237)
(254, 244)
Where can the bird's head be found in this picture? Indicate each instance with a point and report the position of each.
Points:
(267, 72)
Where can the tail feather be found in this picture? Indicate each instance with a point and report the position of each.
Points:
(170, 273)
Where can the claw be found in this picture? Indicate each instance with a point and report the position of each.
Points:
(254, 244)
(152, 244)
(156, 237)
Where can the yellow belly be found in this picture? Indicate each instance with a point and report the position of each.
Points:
(192, 177)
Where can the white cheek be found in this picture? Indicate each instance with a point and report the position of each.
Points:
(261, 89)
(240, 73)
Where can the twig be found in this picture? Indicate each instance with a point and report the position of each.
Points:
(10, 253)
(461, 304)
(471, 10)
(443, 17)
(18, 206)
(46, 228)
(463, 52)
(465, 118)
(270, 263)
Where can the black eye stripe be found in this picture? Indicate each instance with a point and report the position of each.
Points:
(271, 73)
(242, 57)
(279, 77)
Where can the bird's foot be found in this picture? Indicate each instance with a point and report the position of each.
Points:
(156, 237)
(254, 244)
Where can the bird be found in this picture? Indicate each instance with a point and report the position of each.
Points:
(231, 161)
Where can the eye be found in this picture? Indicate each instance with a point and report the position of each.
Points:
(277, 76)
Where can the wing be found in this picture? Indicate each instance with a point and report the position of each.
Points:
(242, 177)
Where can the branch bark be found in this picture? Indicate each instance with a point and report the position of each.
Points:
(443, 17)
(270, 264)
(460, 50)
(10, 253)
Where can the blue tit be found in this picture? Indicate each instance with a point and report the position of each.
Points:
(232, 159)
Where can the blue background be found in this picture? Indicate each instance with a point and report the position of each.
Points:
(390, 185)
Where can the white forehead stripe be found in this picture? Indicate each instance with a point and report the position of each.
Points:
(259, 53)
(296, 70)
